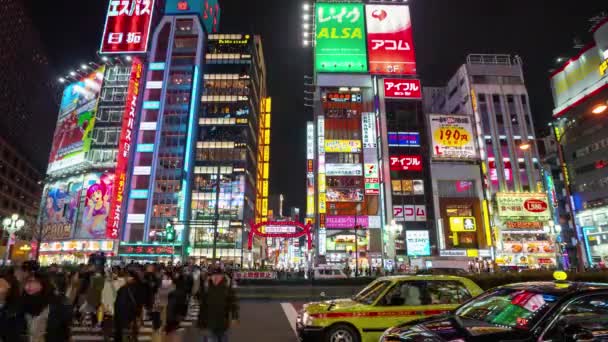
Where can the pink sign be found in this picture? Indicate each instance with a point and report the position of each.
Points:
(346, 222)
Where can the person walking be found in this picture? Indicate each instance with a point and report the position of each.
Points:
(48, 315)
(128, 309)
(13, 326)
(113, 282)
(219, 309)
(93, 296)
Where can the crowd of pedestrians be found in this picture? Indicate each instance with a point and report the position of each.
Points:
(42, 304)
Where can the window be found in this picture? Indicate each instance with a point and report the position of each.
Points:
(371, 292)
(447, 292)
(406, 293)
(588, 314)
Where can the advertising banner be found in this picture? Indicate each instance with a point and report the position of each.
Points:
(529, 205)
(339, 38)
(368, 127)
(408, 186)
(343, 170)
(390, 40)
(124, 148)
(127, 26)
(403, 139)
(452, 137)
(402, 88)
(75, 123)
(576, 77)
(409, 213)
(98, 192)
(343, 146)
(61, 208)
(406, 163)
(346, 222)
(344, 195)
(417, 243)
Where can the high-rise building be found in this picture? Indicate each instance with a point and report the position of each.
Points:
(486, 170)
(230, 186)
(81, 179)
(20, 185)
(200, 162)
(367, 137)
(580, 122)
(28, 90)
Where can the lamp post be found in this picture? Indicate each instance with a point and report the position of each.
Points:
(12, 225)
(357, 241)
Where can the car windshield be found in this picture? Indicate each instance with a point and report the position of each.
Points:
(513, 308)
(371, 292)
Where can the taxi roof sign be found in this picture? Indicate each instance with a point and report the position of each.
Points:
(560, 275)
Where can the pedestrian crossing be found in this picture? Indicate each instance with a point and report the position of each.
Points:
(82, 333)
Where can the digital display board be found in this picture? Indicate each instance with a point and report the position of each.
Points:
(403, 139)
(339, 37)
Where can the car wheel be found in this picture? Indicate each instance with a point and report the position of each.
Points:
(341, 333)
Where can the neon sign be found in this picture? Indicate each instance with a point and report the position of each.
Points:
(124, 149)
(280, 230)
(127, 27)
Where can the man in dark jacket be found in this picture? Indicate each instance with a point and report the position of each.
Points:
(13, 325)
(219, 309)
(128, 308)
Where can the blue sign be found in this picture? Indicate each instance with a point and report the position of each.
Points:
(417, 243)
(403, 139)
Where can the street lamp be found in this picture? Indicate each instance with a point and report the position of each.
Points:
(12, 225)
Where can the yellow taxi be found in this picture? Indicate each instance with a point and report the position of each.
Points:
(386, 302)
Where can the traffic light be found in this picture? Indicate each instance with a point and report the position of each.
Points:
(169, 232)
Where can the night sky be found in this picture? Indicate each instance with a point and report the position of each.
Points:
(538, 31)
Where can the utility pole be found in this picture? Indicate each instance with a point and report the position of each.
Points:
(217, 211)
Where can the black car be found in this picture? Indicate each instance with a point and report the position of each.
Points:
(536, 311)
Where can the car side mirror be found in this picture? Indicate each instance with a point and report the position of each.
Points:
(574, 332)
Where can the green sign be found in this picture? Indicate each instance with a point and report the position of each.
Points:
(340, 38)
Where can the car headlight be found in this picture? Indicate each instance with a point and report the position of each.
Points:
(306, 319)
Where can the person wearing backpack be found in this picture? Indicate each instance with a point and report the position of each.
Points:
(219, 309)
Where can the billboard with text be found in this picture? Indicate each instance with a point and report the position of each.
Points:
(127, 27)
(339, 38)
(390, 43)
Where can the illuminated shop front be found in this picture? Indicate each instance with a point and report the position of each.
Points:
(526, 237)
(74, 251)
(594, 223)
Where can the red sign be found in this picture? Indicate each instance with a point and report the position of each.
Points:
(276, 231)
(124, 148)
(183, 6)
(406, 163)
(535, 206)
(144, 250)
(402, 88)
(390, 44)
(127, 26)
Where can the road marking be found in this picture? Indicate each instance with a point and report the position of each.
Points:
(291, 314)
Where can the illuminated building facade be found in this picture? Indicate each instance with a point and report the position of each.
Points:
(163, 153)
(230, 180)
(579, 127)
(231, 148)
(491, 201)
(81, 176)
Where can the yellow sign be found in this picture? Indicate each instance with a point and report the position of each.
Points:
(604, 67)
(343, 146)
(560, 275)
(463, 224)
(472, 253)
(452, 136)
(322, 204)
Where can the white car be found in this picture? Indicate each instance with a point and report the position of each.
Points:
(329, 273)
